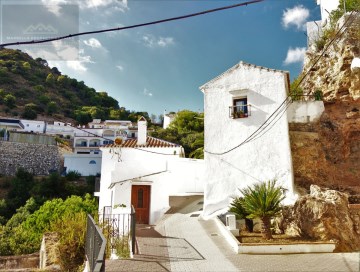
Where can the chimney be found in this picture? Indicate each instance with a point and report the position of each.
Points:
(142, 131)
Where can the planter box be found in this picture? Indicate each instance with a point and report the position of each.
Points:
(252, 248)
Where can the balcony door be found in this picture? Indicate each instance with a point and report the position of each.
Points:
(240, 106)
(140, 199)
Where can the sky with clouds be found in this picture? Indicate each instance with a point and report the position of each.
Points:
(160, 67)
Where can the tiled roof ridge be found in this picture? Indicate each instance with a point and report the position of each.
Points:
(151, 142)
(236, 66)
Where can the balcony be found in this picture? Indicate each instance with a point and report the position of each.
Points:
(242, 111)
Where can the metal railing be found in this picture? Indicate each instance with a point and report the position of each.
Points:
(242, 111)
(317, 96)
(119, 227)
(95, 246)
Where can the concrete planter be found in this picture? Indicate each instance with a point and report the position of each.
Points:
(255, 248)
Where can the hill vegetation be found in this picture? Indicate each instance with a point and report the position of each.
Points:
(30, 89)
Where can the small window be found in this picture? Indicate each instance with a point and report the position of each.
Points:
(240, 108)
(92, 162)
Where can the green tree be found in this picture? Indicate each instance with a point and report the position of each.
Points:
(20, 189)
(30, 111)
(50, 79)
(263, 200)
(188, 121)
(52, 107)
(26, 66)
(296, 92)
(10, 100)
(82, 117)
(63, 80)
(187, 130)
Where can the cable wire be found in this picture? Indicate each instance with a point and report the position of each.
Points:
(132, 26)
(258, 130)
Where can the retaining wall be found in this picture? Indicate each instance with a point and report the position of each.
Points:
(38, 159)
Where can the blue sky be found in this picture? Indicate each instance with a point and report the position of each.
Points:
(162, 66)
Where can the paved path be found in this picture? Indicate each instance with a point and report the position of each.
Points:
(185, 242)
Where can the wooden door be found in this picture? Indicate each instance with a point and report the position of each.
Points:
(140, 199)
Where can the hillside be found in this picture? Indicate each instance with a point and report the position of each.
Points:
(30, 89)
(329, 154)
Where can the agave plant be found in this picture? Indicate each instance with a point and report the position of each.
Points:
(263, 201)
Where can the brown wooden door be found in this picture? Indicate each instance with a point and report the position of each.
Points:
(140, 199)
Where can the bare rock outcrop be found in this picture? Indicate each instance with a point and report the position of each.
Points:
(323, 215)
(329, 153)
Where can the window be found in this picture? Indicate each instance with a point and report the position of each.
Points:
(240, 108)
(140, 198)
(92, 162)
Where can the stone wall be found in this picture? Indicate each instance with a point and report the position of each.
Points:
(30, 261)
(35, 158)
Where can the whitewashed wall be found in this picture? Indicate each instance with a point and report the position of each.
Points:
(326, 7)
(175, 176)
(81, 163)
(305, 111)
(266, 158)
(35, 126)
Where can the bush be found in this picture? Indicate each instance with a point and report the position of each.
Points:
(9, 100)
(26, 237)
(72, 232)
(73, 175)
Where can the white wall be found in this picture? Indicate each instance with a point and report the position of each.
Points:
(176, 176)
(34, 126)
(305, 111)
(326, 7)
(266, 158)
(81, 163)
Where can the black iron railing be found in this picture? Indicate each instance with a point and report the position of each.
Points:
(95, 246)
(119, 229)
(242, 111)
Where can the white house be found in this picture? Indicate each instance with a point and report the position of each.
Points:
(236, 103)
(314, 29)
(168, 118)
(88, 164)
(34, 126)
(144, 172)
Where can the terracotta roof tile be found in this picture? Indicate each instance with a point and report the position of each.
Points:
(150, 142)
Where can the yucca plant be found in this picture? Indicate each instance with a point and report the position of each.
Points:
(263, 200)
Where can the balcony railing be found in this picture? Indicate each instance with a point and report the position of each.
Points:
(242, 111)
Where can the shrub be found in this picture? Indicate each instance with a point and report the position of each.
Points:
(9, 100)
(73, 175)
(72, 231)
(263, 200)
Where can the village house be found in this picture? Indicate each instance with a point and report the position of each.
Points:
(144, 172)
(237, 103)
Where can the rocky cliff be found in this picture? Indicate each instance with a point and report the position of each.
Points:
(328, 152)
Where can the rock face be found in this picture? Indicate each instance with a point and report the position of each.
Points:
(329, 153)
(324, 215)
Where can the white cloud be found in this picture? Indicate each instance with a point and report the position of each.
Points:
(296, 16)
(147, 92)
(92, 42)
(165, 41)
(151, 41)
(295, 55)
(120, 67)
(54, 6)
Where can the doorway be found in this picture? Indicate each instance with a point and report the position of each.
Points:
(140, 199)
